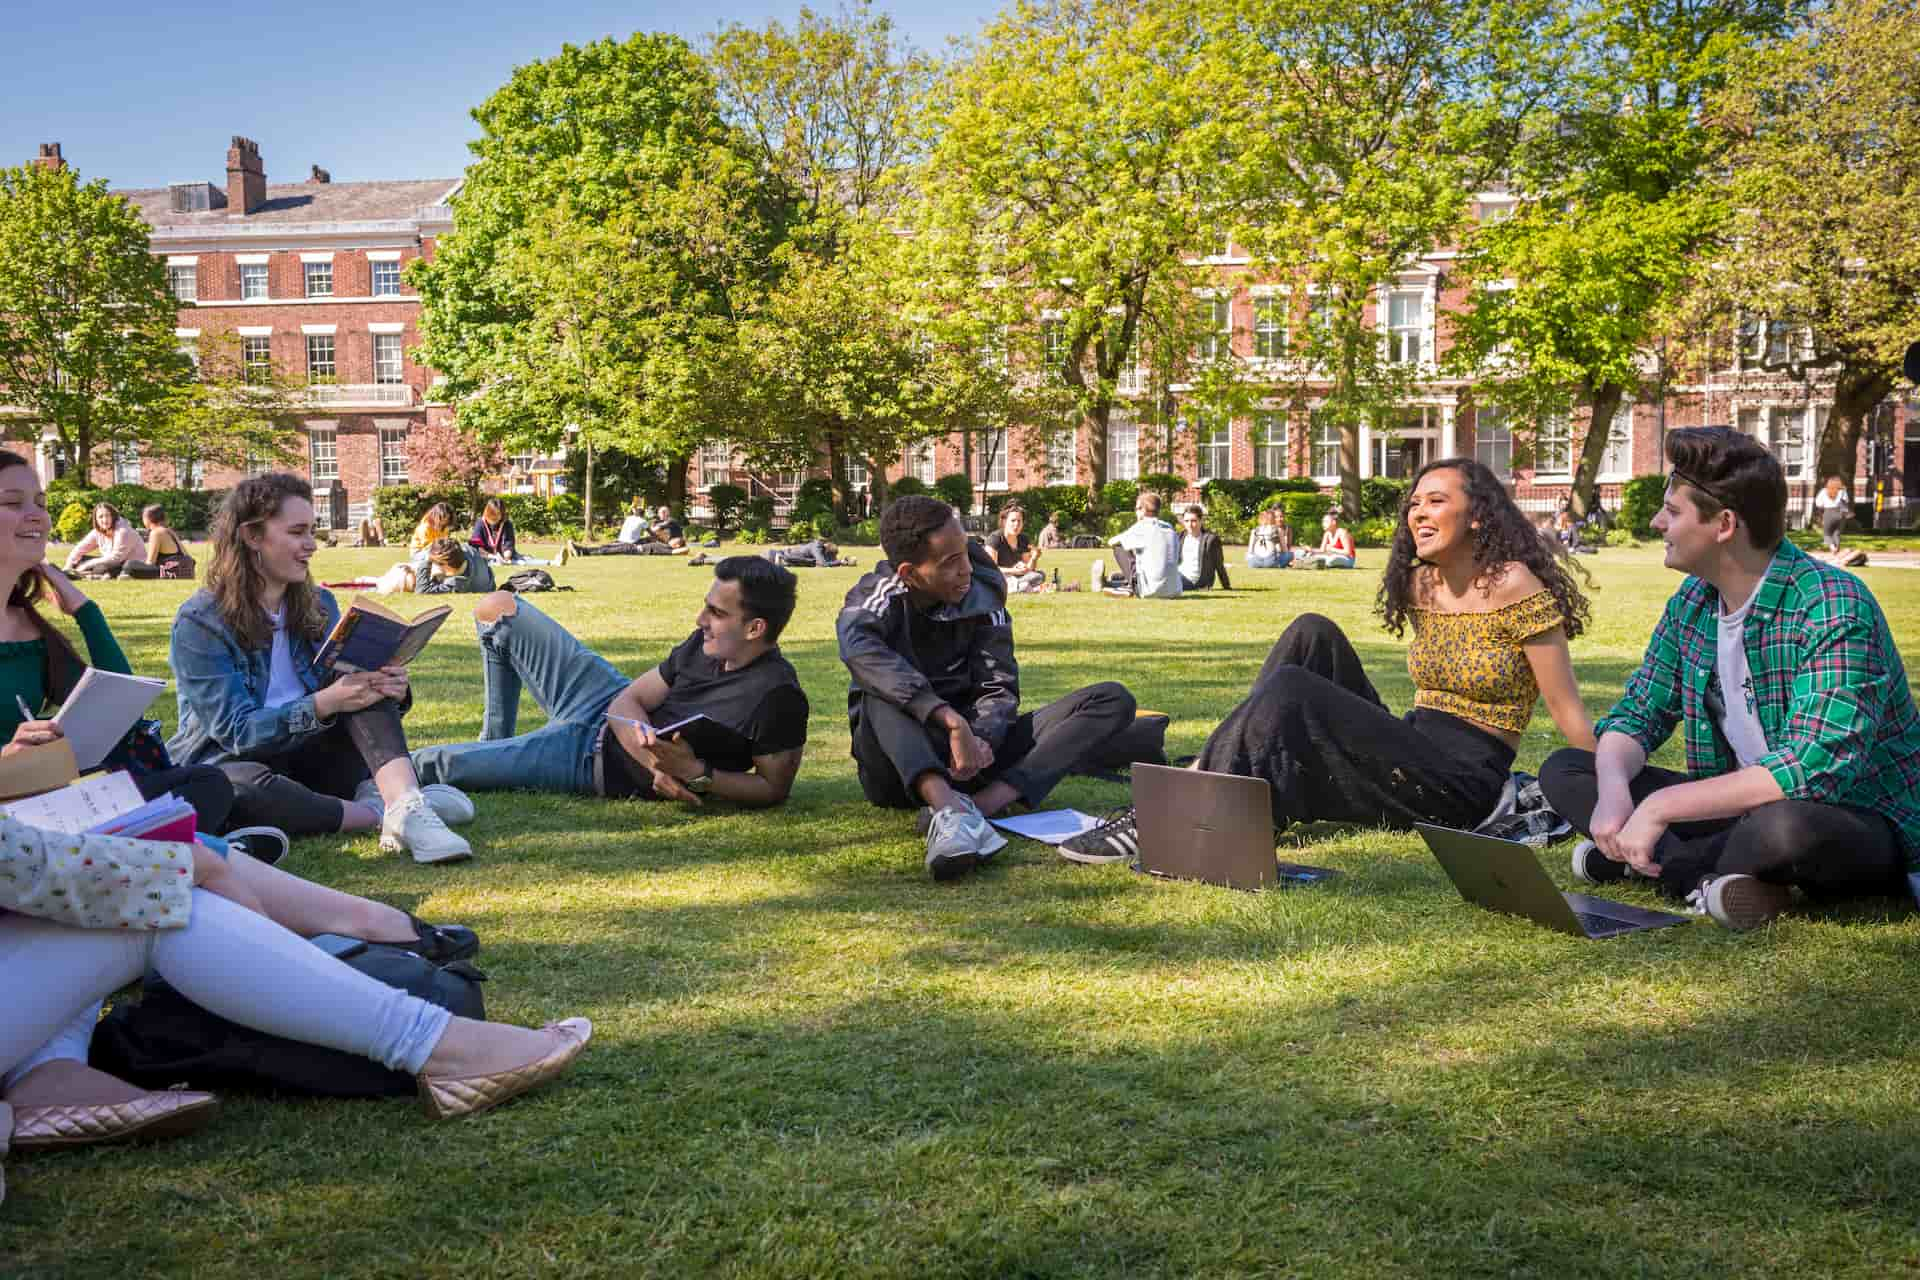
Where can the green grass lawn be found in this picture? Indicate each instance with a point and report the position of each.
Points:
(810, 1060)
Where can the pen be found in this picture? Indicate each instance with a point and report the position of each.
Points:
(26, 712)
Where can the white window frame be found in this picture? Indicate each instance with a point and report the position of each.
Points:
(1271, 330)
(323, 454)
(920, 462)
(1213, 449)
(1323, 435)
(254, 282)
(1261, 435)
(1407, 341)
(394, 462)
(316, 279)
(389, 359)
(1218, 340)
(991, 473)
(1616, 464)
(256, 358)
(332, 375)
(1123, 449)
(189, 473)
(126, 462)
(1493, 440)
(183, 281)
(1063, 457)
(716, 463)
(1555, 432)
(383, 272)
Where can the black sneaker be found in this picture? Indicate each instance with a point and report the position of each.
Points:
(263, 844)
(1594, 867)
(441, 943)
(1116, 839)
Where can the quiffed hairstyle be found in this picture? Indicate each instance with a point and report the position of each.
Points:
(1505, 537)
(767, 591)
(908, 523)
(1725, 469)
(1148, 503)
(447, 552)
(233, 576)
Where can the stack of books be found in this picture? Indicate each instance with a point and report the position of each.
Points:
(107, 804)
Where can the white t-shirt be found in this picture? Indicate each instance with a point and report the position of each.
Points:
(634, 529)
(283, 683)
(1189, 558)
(1742, 721)
(1824, 503)
(1154, 544)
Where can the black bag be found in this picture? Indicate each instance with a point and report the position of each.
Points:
(531, 580)
(1142, 742)
(166, 1039)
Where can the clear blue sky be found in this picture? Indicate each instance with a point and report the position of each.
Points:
(146, 94)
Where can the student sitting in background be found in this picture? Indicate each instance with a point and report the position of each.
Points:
(456, 570)
(599, 737)
(306, 750)
(166, 555)
(110, 544)
(436, 523)
(493, 535)
(1146, 555)
(636, 528)
(1201, 556)
(1270, 545)
(935, 700)
(1336, 550)
(372, 533)
(660, 538)
(1014, 552)
(1051, 539)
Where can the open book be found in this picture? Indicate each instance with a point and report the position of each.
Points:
(369, 636)
(107, 804)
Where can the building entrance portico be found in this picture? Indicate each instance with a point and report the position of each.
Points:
(1411, 438)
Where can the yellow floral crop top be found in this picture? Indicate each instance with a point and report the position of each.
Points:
(1471, 664)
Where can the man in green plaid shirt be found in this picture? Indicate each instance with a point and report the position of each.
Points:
(1803, 743)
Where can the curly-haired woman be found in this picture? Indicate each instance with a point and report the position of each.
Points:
(1492, 607)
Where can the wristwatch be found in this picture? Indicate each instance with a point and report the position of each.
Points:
(703, 783)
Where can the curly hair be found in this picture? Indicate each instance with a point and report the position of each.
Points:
(908, 523)
(234, 578)
(1505, 536)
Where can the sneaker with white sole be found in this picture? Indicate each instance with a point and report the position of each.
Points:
(1116, 839)
(262, 844)
(1098, 574)
(959, 838)
(450, 802)
(1590, 866)
(1743, 902)
(411, 826)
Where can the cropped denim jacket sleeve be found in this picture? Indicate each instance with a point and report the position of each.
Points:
(222, 689)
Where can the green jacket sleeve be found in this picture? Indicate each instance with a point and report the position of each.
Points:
(103, 651)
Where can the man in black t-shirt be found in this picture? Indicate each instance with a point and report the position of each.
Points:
(608, 736)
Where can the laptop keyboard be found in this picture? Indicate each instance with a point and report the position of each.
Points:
(1597, 925)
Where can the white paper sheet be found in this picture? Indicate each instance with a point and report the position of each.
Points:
(1049, 826)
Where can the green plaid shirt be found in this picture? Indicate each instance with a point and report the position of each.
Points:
(1831, 691)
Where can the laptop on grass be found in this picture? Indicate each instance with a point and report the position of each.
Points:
(1215, 827)
(1504, 875)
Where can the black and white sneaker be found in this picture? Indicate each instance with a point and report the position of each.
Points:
(1590, 866)
(1116, 839)
(262, 844)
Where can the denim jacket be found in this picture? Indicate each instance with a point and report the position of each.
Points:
(223, 688)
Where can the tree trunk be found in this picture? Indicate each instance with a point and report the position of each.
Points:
(1604, 400)
(1350, 471)
(587, 498)
(1096, 425)
(1856, 393)
(876, 487)
(836, 492)
(677, 482)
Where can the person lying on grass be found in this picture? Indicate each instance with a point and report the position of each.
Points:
(600, 737)
(1492, 608)
(1803, 743)
(456, 570)
(935, 700)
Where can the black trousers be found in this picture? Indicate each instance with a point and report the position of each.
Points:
(894, 751)
(203, 786)
(1829, 850)
(1316, 731)
(303, 792)
(625, 549)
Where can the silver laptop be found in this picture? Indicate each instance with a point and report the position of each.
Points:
(1216, 827)
(1504, 875)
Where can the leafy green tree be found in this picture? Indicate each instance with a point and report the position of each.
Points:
(609, 229)
(1073, 180)
(1373, 122)
(1822, 174)
(1569, 294)
(87, 347)
(226, 412)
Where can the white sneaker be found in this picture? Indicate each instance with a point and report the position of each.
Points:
(450, 802)
(959, 838)
(412, 826)
(1098, 574)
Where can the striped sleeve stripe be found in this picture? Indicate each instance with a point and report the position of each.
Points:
(883, 594)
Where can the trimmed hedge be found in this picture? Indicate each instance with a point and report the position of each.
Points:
(1375, 531)
(1041, 501)
(1303, 514)
(1381, 497)
(1251, 494)
(1640, 500)
(906, 487)
(188, 510)
(1119, 496)
(956, 490)
(400, 507)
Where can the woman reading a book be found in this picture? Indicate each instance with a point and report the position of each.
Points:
(315, 752)
(493, 534)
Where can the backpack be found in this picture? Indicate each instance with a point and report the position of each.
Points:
(166, 1039)
(532, 580)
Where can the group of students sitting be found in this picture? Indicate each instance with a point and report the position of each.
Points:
(1802, 738)
(111, 549)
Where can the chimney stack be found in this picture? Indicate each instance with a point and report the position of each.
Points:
(50, 157)
(320, 175)
(246, 178)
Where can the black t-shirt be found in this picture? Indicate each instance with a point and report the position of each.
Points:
(1008, 554)
(669, 529)
(757, 710)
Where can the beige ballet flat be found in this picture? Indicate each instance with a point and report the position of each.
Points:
(167, 1113)
(444, 1099)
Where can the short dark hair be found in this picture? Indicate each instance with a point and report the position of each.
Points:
(767, 591)
(1727, 469)
(155, 514)
(908, 523)
(1195, 509)
(447, 552)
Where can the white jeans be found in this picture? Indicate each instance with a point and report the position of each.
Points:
(228, 961)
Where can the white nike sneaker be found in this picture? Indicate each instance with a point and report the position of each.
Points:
(411, 826)
(450, 802)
